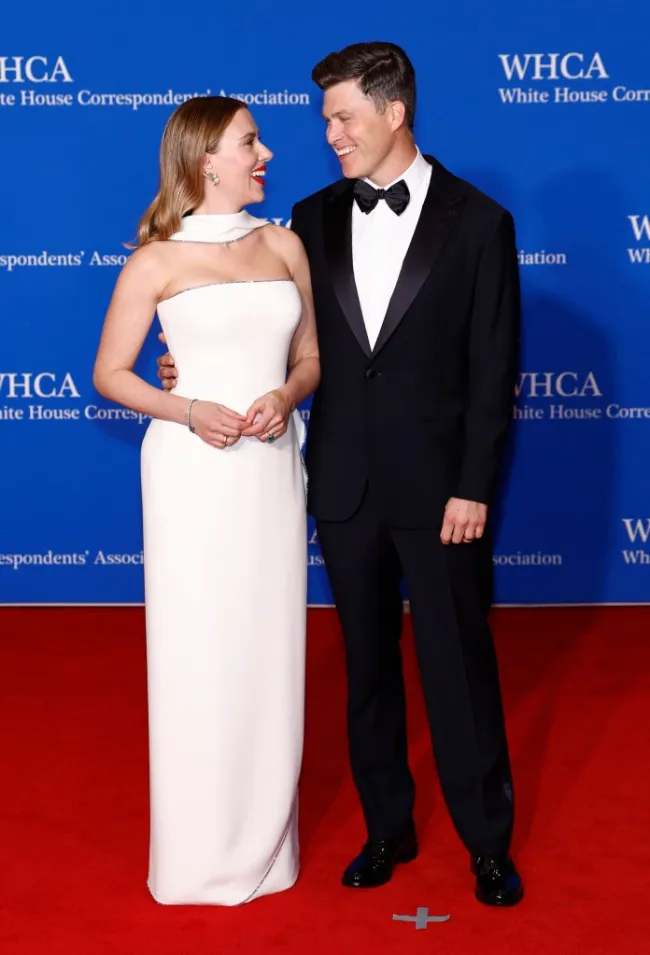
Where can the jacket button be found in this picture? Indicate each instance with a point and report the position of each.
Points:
(371, 373)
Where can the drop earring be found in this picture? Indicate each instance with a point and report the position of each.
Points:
(212, 176)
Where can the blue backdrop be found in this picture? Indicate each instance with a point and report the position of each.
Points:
(547, 108)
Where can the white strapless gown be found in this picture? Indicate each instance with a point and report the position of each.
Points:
(225, 584)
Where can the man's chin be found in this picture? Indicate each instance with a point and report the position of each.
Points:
(351, 166)
(352, 172)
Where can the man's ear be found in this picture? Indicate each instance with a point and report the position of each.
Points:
(397, 113)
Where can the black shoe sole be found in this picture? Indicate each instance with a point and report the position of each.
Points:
(514, 898)
(405, 857)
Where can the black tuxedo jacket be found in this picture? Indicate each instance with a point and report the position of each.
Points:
(423, 416)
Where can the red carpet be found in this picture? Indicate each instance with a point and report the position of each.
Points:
(74, 801)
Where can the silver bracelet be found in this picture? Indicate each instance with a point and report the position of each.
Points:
(188, 416)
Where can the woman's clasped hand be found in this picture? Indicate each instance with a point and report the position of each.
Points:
(267, 419)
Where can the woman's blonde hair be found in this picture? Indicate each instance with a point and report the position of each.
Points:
(192, 130)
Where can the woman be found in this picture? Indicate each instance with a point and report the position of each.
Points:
(223, 507)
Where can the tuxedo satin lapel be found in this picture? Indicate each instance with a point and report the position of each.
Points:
(439, 212)
(338, 250)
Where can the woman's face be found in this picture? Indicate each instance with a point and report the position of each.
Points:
(240, 161)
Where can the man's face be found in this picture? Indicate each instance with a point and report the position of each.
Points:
(360, 136)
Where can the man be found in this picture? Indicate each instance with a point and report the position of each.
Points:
(416, 289)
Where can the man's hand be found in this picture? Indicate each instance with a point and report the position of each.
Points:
(166, 368)
(464, 521)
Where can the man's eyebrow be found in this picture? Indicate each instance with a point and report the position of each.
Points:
(334, 115)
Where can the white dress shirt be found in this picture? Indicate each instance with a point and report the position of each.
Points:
(380, 241)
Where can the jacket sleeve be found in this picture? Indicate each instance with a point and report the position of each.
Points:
(493, 363)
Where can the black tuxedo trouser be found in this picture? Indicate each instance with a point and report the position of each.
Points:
(449, 589)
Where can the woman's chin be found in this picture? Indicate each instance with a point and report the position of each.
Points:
(257, 192)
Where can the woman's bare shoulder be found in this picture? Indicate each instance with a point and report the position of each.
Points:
(154, 259)
(284, 242)
(147, 269)
(150, 256)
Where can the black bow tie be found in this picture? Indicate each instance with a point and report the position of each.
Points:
(397, 197)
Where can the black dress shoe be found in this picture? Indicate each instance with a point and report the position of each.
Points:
(497, 881)
(374, 866)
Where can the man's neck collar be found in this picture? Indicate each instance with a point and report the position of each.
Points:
(412, 174)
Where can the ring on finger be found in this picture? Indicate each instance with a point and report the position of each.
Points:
(225, 441)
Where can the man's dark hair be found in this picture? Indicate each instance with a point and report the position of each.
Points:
(383, 71)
